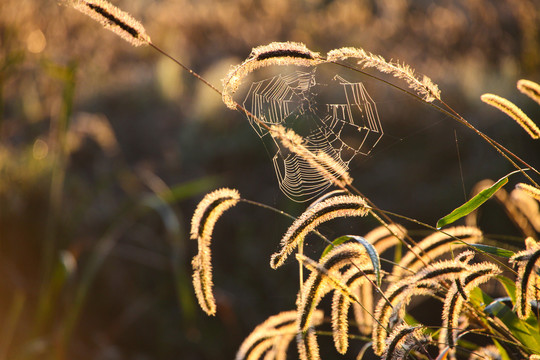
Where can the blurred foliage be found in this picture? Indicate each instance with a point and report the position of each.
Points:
(106, 149)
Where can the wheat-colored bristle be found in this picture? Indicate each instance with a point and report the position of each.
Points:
(402, 341)
(489, 352)
(203, 221)
(525, 289)
(271, 332)
(397, 296)
(327, 167)
(326, 276)
(211, 207)
(455, 298)
(308, 348)
(322, 279)
(353, 278)
(436, 245)
(510, 109)
(335, 207)
(529, 88)
(384, 237)
(530, 190)
(424, 87)
(114, 19)
(276, 53)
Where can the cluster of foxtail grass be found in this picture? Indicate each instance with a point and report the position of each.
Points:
(445, 265)
(351, 265)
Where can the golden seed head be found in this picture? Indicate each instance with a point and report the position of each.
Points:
(114, 19)
(510, 109)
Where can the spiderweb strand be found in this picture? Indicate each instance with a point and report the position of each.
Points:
(290, 100)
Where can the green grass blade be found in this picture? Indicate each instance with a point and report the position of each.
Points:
(474, 203)
(493, 250)
(523, 331)
(336, 242)
(510, 287)
(502, 350)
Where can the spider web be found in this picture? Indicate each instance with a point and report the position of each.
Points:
(341, 129)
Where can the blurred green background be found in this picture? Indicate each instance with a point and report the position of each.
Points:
(106, 149)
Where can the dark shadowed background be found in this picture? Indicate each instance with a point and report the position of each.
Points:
(106, 149)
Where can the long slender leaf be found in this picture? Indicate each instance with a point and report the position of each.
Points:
(493, 250)
(336, 242)
(502, 350)
(510, 287)
(474, 203)
(523, 331)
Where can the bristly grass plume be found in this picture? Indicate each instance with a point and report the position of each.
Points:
(530, 190)
(114, 19)
(204, 219)
(348, 268)
(424, 87)
(334, 207)
(510, 109)
(529, 88)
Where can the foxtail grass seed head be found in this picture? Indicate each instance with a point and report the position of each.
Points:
(276, 53)
(326, 276)
(321, 280)
(340, 306)
(264, 346)
(363, 314)
(384, 237)
(478, 274)
(345, 53)
(282, 51)
(331, 169)
(397, 296)
(281, 345)
(453, 304)
(210, 209)
(275, 330)
(291, 140)
(313, 289)
(436, 245)
(340, 323)
(350, 253)
(526, 280)
(204, 219)
(424, 87)
(529, 88)
(474, 276)
(530, 190)
(202, 283)
(308, 347)
(525, 208)
(326, 166)
(489, 352)
(510, 109)
(335, 207)
(114, 19)
(403, 340)
(530, 243)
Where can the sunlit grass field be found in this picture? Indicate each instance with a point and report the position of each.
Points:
(106, 150)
